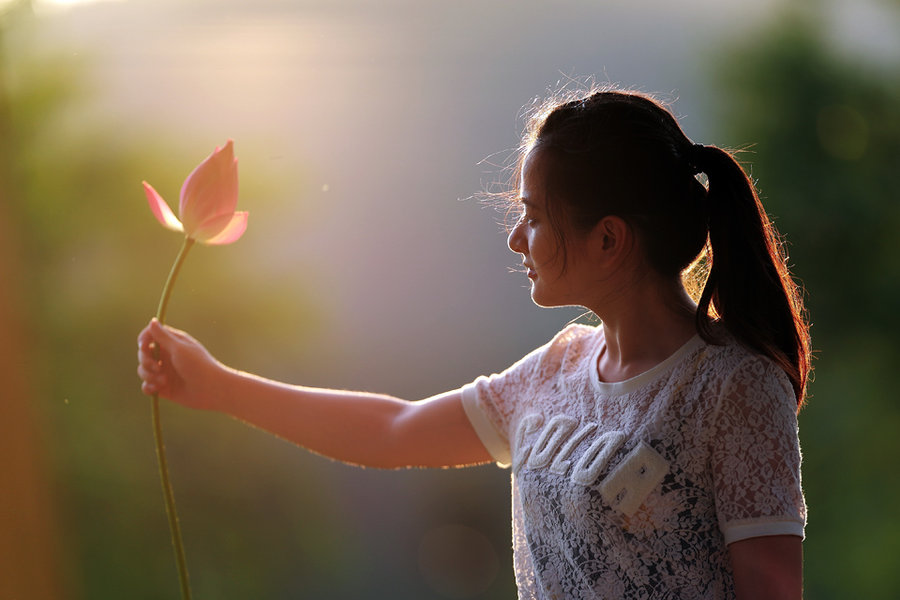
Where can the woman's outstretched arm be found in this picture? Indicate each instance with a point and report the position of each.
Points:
(354, 427)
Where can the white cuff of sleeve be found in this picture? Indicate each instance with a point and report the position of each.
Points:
(742, 530)
(494, 442)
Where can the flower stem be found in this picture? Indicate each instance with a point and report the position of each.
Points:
(170, 282)
(174, 527)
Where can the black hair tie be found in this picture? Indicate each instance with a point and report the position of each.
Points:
(694, 158)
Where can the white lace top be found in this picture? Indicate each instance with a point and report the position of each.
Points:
(634, 489)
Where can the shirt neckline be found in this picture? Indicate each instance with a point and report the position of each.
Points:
(618, 388)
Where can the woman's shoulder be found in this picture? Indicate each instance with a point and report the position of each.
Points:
(727, 361)
(572, 343)
(576, 337)
(578, 332)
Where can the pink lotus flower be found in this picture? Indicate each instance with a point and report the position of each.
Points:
(208, 199)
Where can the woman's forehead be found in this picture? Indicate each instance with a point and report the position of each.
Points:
(531, 174)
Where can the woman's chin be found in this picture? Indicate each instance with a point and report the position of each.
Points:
(540, 299)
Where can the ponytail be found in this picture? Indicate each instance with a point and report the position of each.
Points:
(749, 286)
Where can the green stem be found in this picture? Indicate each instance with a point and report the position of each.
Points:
(170, 282)
(174, 527)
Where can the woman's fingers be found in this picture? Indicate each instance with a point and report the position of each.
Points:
(148, 364)
(152, 381)
(150, 357)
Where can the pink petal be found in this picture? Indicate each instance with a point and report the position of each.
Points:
(211, 190)
(211, 228)
(232, 232)
(161, 210)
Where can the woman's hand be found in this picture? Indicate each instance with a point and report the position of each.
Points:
(176, 366)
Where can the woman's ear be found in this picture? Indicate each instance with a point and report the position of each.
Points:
(611, 239)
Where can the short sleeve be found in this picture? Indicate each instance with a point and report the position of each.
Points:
(493, 403)
(494, 440)
(755, 454)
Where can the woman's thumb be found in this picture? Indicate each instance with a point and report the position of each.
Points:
(169, 335)
(159, 331)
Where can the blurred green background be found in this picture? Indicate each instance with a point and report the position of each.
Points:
(363, 130)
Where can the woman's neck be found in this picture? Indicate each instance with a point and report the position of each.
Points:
(644, 326)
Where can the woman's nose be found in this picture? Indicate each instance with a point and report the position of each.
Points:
(515, 241)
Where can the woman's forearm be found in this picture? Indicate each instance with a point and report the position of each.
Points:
(359, 428)
(348, 426)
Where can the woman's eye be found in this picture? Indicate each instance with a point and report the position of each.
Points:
(526, 219)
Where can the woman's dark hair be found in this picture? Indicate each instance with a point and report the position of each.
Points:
(622, 153)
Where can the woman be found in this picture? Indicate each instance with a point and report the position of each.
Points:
(653, 456)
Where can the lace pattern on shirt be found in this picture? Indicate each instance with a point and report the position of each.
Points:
(631, 490)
